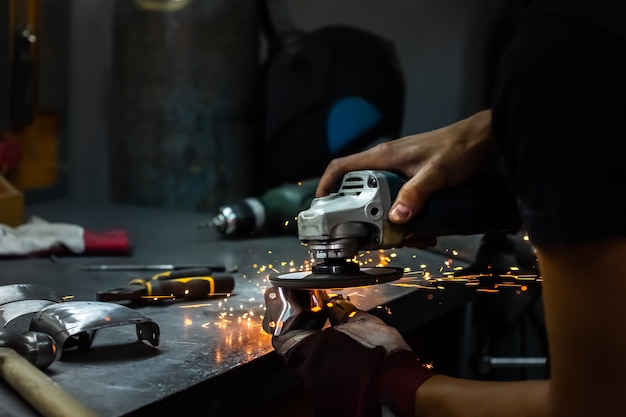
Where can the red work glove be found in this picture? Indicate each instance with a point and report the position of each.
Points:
(355, 368)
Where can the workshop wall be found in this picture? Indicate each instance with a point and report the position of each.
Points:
(446, 48)
(33, 87)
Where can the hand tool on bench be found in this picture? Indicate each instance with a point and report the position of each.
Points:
(195, 283)
(153, 267)
(23, 371)
(36, 347)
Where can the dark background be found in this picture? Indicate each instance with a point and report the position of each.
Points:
(446, 48)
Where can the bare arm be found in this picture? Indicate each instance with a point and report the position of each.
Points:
(583, 290)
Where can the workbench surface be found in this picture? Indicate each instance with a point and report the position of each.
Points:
(214, 357)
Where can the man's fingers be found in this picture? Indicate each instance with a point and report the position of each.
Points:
(412, 196)
(336, 169)
(377, 157)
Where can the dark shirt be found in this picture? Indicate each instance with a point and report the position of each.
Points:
(558, 111)
(606, 15)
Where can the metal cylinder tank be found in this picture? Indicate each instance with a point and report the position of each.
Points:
(185, 119)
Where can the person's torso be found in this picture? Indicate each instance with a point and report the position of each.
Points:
(610, 15)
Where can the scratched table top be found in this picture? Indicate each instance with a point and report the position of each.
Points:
(213, 357)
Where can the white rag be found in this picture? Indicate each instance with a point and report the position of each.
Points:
(39, 235)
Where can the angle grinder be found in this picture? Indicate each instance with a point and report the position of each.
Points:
(355, 218)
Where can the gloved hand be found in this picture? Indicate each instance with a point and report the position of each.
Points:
(354, 368)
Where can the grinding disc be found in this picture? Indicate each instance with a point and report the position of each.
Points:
(307, 280)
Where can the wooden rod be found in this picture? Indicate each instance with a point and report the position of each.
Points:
(43, 393)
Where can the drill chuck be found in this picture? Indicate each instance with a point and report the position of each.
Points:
(241, 218)
(273, 212)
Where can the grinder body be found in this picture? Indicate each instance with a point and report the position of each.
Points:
(355, 218)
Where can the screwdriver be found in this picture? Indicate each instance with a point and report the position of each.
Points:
(198, 283)
(153, 267)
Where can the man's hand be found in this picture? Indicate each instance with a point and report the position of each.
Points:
(355, 368)
(431, 161)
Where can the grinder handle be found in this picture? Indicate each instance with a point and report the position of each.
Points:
(483, 204)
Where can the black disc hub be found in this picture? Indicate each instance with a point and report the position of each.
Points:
(336, 266)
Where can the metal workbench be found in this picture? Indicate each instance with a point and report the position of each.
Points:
(213, 357)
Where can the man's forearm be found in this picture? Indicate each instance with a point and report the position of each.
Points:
(443, 396)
